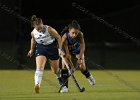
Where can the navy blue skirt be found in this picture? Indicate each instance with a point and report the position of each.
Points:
(50, 51)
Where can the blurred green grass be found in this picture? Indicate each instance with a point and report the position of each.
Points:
(110, 85)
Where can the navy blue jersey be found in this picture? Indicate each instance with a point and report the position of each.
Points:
(73, 44)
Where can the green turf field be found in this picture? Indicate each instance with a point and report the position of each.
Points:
(110, 85)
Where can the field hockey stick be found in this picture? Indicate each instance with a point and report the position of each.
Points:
(73, 77)
(75, 68)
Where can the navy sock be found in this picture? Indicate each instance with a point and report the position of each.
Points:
(64, 75)
(86, 73)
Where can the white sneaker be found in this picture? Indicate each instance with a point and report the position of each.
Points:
(91, 80)
(64, 89)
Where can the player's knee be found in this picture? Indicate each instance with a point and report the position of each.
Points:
(56, 71)
(64, 67)
(82, 68)
(53, 71)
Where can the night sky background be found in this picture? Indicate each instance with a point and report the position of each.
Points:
(104, 45)
(123, 14)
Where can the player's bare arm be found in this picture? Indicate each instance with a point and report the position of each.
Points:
(82, 45)
(33, 43)
(55, 34)
(65, 46)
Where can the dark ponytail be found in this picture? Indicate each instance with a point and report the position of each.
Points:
(65, 29)
(73, 24)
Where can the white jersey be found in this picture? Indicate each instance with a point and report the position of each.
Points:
(43, 38)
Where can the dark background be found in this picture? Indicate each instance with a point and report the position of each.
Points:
(104, 46)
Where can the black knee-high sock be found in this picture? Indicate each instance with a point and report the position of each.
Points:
(86, 73)
(64, 75)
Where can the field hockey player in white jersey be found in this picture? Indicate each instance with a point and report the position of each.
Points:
(46, 43)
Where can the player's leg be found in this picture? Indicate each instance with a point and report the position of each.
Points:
(56, 70)
(40, 63)
(53, 56)
(64, 75)
(85, 71)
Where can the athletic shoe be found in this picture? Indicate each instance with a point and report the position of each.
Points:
(37, 88)
(91, 80)
(59, 81)
(64, 89)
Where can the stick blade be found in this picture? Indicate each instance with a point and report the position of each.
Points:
(82, 90)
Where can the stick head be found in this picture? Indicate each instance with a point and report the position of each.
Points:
(82, 90)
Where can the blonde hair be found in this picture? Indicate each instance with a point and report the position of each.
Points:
(35, 21)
